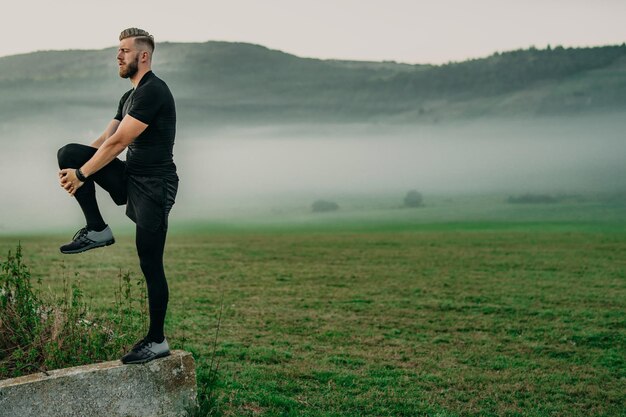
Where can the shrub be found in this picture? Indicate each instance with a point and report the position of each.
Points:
(323, 205)
(39, 334)
(413, 199)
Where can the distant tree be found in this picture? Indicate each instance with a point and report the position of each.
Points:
(323, 205)
(532, 199)
(413, 199)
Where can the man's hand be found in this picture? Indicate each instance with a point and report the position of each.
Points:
(68, 180)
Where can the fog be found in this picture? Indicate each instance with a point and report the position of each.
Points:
(227, 171)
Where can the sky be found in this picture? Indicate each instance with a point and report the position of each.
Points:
(411, 31)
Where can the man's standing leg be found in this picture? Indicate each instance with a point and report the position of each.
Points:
(150, 248)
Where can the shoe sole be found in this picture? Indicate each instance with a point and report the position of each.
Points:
(140, 361)
(86, 248)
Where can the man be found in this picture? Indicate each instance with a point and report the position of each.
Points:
(146, 182)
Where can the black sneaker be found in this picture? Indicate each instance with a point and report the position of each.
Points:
(86, 239)
(145, 351)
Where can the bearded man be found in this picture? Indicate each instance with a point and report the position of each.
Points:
(147, 182)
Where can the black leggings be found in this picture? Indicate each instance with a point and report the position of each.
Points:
(150, 248)
(150, 244)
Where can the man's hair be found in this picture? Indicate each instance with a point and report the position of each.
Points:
(141, 37)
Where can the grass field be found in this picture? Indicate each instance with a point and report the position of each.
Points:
(449, 310)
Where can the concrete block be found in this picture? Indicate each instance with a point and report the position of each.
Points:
(160, 388)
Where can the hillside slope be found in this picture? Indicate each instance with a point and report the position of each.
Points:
(223, 83)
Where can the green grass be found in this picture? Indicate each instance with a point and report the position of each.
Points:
(520, 315)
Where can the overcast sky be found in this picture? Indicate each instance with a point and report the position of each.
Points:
(412, 31)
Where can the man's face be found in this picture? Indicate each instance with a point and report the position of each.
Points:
(128, 58)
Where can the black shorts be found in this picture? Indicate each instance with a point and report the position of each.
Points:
(150, 200)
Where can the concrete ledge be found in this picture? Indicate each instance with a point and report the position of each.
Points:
(160, 388)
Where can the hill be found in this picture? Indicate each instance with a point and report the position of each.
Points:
(223, 83)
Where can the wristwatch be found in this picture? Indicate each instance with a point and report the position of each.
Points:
(80, 176)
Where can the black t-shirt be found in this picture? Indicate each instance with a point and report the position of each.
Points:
(151, 153)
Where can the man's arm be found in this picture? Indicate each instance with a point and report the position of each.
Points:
(110, 130)
(127, 131)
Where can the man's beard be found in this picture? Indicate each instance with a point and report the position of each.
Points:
(130, 69)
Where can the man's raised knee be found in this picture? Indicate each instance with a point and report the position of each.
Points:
(69, 154)
(64, 154)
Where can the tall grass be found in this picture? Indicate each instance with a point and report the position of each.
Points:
(206, 375)
(40, 332)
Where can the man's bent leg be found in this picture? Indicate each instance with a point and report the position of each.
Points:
(74, 156)
(112, 178)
